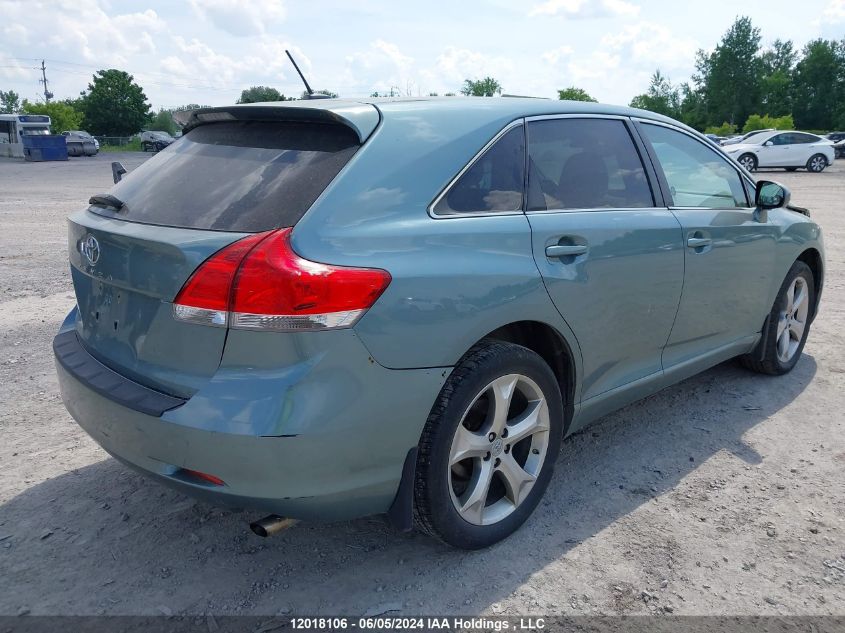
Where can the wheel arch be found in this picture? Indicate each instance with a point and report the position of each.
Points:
(550, 345)
(812, 257)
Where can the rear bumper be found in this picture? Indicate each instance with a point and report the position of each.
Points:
(324, 438)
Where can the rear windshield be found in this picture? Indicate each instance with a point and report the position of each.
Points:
(245, 176)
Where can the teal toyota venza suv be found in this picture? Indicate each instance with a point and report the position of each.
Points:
(328, 309)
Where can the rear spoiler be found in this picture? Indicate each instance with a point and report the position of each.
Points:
(363, 118)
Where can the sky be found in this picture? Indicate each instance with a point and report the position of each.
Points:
(207, 51)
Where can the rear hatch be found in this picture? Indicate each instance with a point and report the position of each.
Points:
(132, 251)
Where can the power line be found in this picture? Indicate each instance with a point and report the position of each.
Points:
(168, 84)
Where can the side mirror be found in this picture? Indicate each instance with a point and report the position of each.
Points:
(771, 195)
(117, 171)
(768, 144)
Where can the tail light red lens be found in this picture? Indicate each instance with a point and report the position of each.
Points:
(261, 283)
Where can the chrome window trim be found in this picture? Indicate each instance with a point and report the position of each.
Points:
(573, 115)
(475, 214)
(743, 175)
(595, 210)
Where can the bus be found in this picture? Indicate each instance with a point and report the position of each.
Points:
(13, 127)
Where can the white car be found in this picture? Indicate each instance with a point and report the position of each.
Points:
(734, 140)
(787, 149)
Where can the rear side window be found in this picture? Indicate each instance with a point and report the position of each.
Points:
(493, 183)
(584, 164)
(244, 176)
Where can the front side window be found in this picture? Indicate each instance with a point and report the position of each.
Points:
(783, 139)
(697, 175)
(493, 183)
(584, 164)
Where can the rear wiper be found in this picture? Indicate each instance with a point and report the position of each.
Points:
(106, 200)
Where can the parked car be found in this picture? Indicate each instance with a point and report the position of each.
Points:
(290, 312)
(835, 136)
(81, 143)
(787, 149)
(839, 149)
(734, 140)
(714, 138)
(155, 141)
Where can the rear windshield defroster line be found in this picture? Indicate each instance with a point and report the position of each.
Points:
(243, 176)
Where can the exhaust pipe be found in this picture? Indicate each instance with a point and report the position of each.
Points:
(272, 524)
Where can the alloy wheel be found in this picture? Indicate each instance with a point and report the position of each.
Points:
(498, 449)
(748, 162)
(817, 163)
(792, 320)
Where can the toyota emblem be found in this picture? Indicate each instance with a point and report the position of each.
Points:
(90, 247)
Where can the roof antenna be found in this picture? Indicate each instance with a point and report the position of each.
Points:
(309, 94)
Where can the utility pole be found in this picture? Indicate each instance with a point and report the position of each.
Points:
(47, 94)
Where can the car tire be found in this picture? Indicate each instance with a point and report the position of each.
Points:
(788, 324)
(473, 502)
(749, 161)
(817, 163)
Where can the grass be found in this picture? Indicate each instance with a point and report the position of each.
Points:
(131, 146)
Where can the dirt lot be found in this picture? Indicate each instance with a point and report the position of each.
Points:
(722, 495)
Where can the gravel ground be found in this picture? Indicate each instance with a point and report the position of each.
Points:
(721, 495)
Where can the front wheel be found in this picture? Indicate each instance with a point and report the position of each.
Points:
(749, 161)
(817, 163)
(788, 325)
(488, 447)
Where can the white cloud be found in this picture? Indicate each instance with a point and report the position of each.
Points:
(554, 56)
(599, 65)
(240, 18)
(456, 64)
(585, 8)
(646, 43)
(382, 67)
(198, 62)
(834, 12)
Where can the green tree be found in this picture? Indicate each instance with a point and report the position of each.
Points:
(693, 109)
(328, 93)
(62, 116)
(115, 105)
(729, 77)
(662, 97)
(10, 102)
(726, 129)
(574, 94)
(486, 87)
(766, 122)
(819, 85)
(259, 94)
(163, 121)
(778, 63)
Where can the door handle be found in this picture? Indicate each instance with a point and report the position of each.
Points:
(563, 250)
(698, 242)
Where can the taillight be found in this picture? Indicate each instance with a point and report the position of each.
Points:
(261, 283)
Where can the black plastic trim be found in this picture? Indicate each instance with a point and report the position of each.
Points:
(401, 512)
(108, 383)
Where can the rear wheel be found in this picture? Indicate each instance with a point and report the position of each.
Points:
(749, 161)
(817, 163)
(489, 445)
(788, 326)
